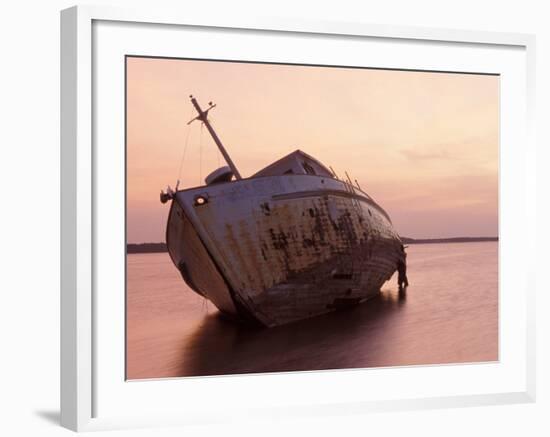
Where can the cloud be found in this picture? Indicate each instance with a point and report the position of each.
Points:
(472, 149)
(425, 155)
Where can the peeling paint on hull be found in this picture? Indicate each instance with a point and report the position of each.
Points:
(282, 248)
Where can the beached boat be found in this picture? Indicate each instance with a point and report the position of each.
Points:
(289, 242)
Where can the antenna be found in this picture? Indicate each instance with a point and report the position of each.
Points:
(203, 116)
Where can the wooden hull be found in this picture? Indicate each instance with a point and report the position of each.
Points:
(277, 249)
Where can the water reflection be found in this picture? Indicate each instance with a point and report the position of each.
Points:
(218, 346)
(449, 314)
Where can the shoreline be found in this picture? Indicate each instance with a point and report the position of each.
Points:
(135, 248)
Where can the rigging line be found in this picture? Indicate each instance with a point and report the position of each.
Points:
(184, 151)
(185, 147)
(200, 155)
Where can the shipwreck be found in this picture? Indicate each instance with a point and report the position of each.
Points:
(290, 242)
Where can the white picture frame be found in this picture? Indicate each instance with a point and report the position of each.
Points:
(82, 372)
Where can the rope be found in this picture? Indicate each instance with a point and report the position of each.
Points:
(218, 153)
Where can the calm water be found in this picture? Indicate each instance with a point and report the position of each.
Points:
(448, 315)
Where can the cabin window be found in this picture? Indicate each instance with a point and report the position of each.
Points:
(308, 168)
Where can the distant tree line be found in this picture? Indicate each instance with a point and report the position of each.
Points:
(407, 240)
(146, 248)
(161, 247)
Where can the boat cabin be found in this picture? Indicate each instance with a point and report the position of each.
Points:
(297, 162)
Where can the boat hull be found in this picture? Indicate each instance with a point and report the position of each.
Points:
(281, 248)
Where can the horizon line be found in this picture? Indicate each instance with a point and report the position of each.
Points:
(401, 236)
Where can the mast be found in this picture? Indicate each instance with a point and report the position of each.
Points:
(203, 116)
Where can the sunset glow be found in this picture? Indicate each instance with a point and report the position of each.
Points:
(423, 145)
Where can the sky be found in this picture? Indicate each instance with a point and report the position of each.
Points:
(424, 145)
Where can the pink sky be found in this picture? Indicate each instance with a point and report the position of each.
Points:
(424, 145)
